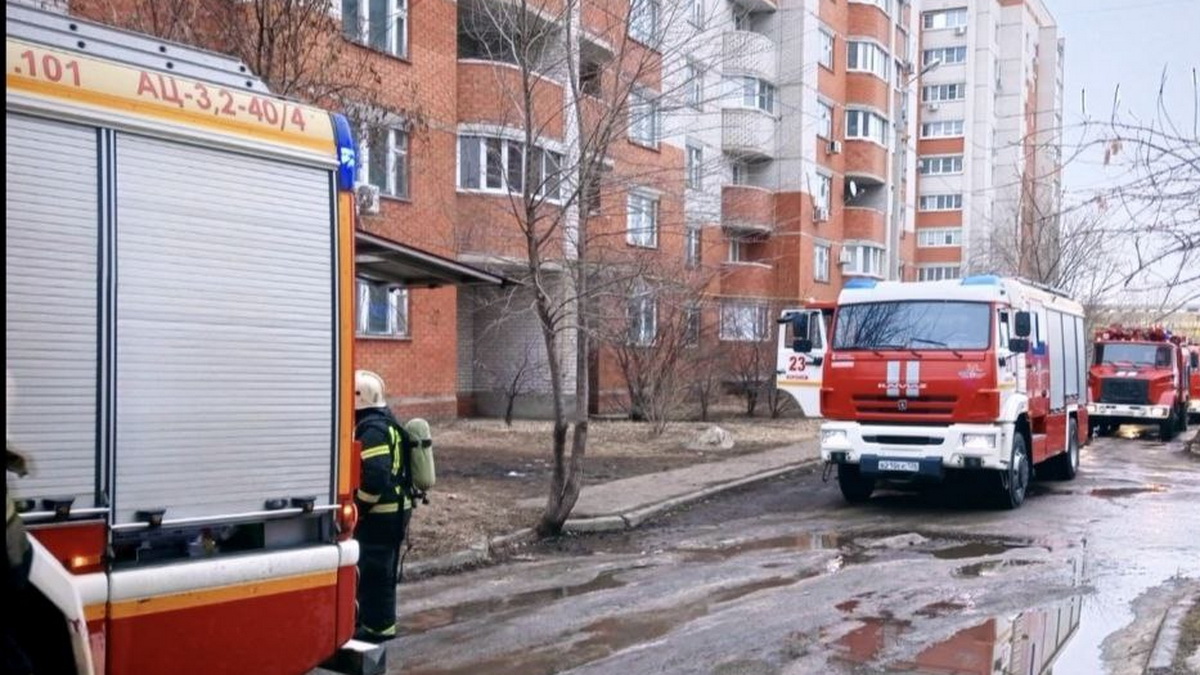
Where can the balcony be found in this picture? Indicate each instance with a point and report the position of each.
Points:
(864, 224)
(757, 5)
(747, 210)
(748, 133)
(866, 161)
(747, 279)
(488, 93)
(749, 53)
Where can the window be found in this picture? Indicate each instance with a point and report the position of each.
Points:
(641, 227)
(497, 165)
(696, 13)
(825, 124)
(740, 174)
(737, 250)
(591, 78)
(942, 129)
(752, 92)
(951, 202)
(913, 324)
(691, 325)
(827, 46)
(935, 166)
(382, 310)
(943, 92)
(380, 24)
(643, 316)
(885, 5)
(692, 242)
(865, 259)
(693, 86)
(946, 55)
(821, 262)
(591, 193)
(824, 197)
(947, 18)
(695, 167)
(385, 154)
(643, 119)
(866, 125)
(867, 57)
(744, 322)
(643, 21)
(940, 236)
(937, 272)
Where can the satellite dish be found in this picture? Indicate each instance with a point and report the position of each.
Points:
(853, 189)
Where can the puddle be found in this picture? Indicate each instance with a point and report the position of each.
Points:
(1024, 642)
(1126, 492)
(441, 617)
(975, 549)
(848, 606)
(989, 567)
(800, 542)
(940, 608)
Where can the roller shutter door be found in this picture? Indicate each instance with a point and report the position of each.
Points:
(224, 330)
(50, 303)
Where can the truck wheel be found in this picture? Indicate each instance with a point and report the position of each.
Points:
(856, 488)
(1012, 484)
(1166, 428)
(1066, 465)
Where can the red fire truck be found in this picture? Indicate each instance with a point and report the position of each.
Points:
(1194, 386)
(924, 381)
(1139, 375)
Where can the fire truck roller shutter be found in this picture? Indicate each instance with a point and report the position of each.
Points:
(50, 303)
(1057, 360)
(225, 322)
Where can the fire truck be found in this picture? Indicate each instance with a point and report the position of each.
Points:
(1139, 375)
(179, 322)
(1194, 386)
(922, 382)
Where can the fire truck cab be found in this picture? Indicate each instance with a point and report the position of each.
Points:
(921, 382)
(1194, 384)
(1139, 376)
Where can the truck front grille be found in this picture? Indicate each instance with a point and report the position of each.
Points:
(1124, 390)
(891, 405)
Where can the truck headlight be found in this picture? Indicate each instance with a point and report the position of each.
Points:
(1091, 407)
(1159, 411)
(979, 441)
(835, 438)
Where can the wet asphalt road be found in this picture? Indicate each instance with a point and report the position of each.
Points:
(784, 578)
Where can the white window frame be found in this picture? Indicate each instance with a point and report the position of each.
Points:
(696, 13)
(398, 324)
(825, 120)
(737, 250)
(643, 21)
(395, 36)
(546, 159)
(694, 166)
(938, 272)
(828, 49)
(944, 18)
(865, 260)
(744, 322)
(822, 253)
(645, 122)
(940, 165)
(944, 53)
(397, 167)
(693, 247)
(861, 125)
(693, 86)
(939, 237)
(824, 192)
(752, 93)
(943, 129)
(941, 202)
(642, 315)
(865, 56)
(641, 220)
(937, 93)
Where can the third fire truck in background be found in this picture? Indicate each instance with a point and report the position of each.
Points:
(1194, 384)
(1139, 376)
(919, 382)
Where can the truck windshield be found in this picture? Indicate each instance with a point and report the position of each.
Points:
(922, 324)
(1133, 354)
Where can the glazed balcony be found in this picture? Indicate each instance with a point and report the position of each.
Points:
(747, 210)
(748, 133)
(747, 279)
(488, 94)
(866, 160)
(749, 53)
(865, 224)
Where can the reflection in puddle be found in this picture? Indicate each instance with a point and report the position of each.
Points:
(445, 616)
(1025, 642)
(975, 549)
(1126, 492)
(989, 567)
(797, 542)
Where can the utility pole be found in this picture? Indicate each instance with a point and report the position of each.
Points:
(899, 153)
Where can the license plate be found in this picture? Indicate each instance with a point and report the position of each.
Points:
(891, 465)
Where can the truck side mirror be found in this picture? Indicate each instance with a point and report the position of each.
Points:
(1018, 345)
(802, 345)
(1022, 324)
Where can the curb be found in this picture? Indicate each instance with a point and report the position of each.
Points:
(1166, 642)
(487, 550)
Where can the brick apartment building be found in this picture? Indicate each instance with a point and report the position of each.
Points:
(768, 152)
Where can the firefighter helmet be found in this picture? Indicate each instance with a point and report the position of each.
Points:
(368, 390)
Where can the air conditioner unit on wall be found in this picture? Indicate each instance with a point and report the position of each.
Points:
(820, 214)
(961, 30)
(834, 147)
(846, 256)
(933, 107)
(367, 196)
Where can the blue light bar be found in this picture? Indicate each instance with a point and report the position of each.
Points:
(860, 282)
(981, 280)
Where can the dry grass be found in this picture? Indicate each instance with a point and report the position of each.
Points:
(484, 468)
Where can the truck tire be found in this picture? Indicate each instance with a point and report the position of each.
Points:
(1168, 427)
(1066, 465)
(856, 488)
(1012, 484)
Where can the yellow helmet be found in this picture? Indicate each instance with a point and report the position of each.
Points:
(368, 390)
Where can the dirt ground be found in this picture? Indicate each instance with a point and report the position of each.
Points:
(1188, 654)
(484, 468)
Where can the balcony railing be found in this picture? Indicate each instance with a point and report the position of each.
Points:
(749, 53)
(747, 210)
(748, 133)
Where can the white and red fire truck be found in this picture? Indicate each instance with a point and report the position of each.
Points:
(1194, 384)
(179, 252)
(1139, 375)
(919, 382)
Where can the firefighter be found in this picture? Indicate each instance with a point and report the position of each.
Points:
(383, 506)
